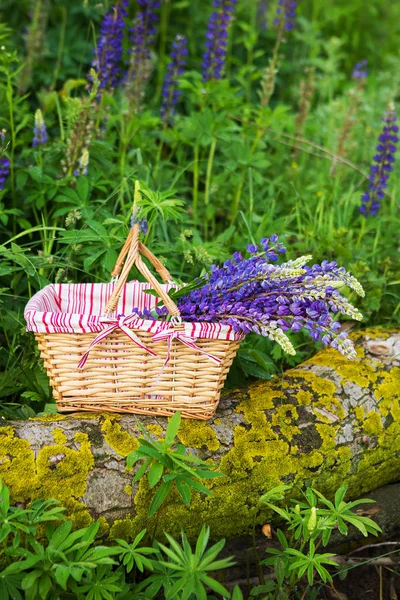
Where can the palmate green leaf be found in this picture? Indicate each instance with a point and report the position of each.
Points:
(9, 587)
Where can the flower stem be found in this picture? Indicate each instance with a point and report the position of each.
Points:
(208, 182)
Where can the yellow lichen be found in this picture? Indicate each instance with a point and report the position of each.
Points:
(118, 439)
(196, 434)
(58, 472)
(59, 436)
(49, 418)
(359, 412)
(155, 429)
(372, 424)
(128, 490)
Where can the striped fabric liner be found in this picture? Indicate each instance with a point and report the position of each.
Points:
(77, 308)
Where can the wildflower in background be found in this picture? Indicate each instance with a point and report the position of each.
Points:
(307, 89)
(143, 36)
(360, 70)
(39, 130)
(4, 171)
(384, 159)
(4, 162)
(255, 295)
(82, 169)
(217, 39)
(170, 91)
(262, 9)
(35, 41)
(359, 75)
(286, 14)
(108, 53)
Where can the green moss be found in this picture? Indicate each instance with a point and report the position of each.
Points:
(197, 434)
(118, 439)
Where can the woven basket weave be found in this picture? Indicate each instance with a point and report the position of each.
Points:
(119, 375)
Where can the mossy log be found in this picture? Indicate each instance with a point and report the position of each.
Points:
(327, 422)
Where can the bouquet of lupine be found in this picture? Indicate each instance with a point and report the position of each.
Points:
(255, 295)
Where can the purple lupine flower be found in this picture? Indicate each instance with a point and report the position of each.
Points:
(217, 39)
(4, 162)
(384, 159)
(4, 171)
(253, 295)
(39, 130)
(108, 53)
(143, 36)
(286, 11)
(262, 9)
(175, 68)
(360, 70)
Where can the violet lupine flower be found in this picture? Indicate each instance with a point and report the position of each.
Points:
(109, 48)
(384, 159)
(4, 171)
(143, 35)
(360, 70)
(175, 68)
(253, 295)
(217, 39)
(40, 131)
(287, 11)
(262, 9)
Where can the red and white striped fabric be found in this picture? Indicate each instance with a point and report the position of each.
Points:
(78, 308)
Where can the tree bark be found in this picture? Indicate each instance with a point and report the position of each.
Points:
(327, 422)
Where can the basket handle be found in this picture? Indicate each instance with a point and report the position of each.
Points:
(132, 249)
(157, 264)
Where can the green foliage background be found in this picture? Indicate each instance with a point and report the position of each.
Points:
(227, 172)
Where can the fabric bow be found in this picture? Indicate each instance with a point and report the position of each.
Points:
(115, 323)
(176, 334)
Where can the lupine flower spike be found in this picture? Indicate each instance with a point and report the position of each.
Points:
(262, 9)
(83, 163)
(384, 159)
(360, 70)
(4, 162)
(108, 53)
(286, 11)
(170, 91)
(40, 131)
(359, 76)
(143, 35)
(217, 39)
(255, 295)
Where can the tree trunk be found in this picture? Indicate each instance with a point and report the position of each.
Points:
(327, 422)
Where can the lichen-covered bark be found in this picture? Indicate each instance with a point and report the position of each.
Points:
(326, 422)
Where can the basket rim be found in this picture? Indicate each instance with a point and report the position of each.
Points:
(40, 321)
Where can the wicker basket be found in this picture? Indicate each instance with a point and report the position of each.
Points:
(127, 364)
